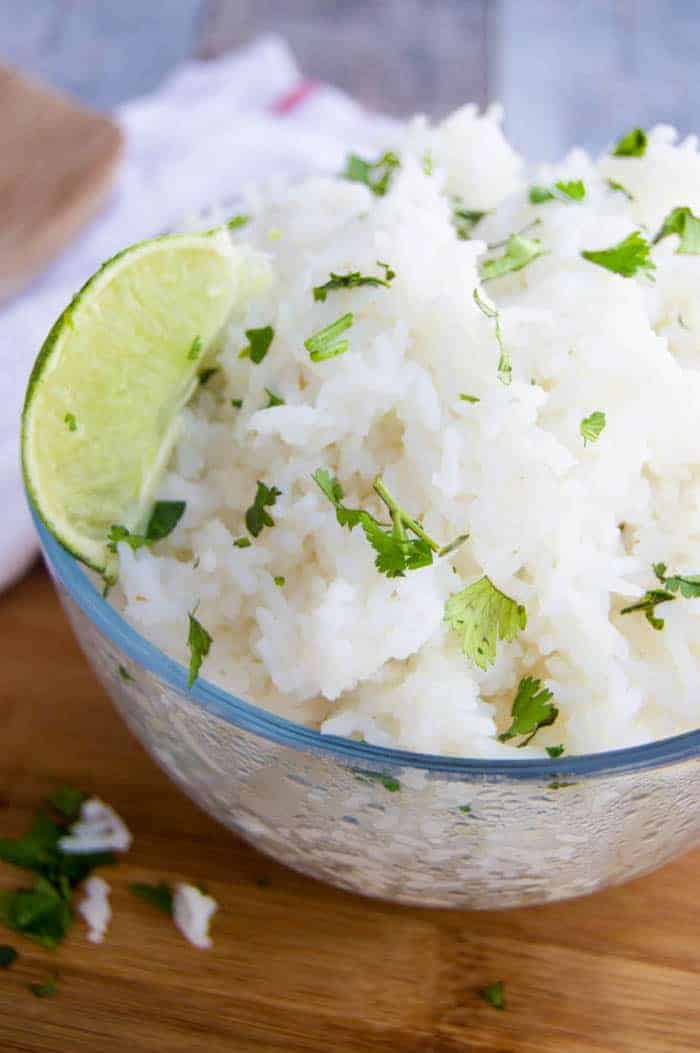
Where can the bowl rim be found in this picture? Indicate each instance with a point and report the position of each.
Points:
(70, 573)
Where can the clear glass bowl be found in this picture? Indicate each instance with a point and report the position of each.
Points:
(415, 828)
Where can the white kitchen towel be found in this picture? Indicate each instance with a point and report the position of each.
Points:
(210, 129)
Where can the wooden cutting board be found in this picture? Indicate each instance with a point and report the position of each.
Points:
(57, 161)
(295, 965)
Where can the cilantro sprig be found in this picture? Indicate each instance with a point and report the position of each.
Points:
(354, 280)
(325, 343)
(257, 517)
(531, 710)
(163, 520)
(686, 225)
(396, 551)
(628, 257)
(571, 190)
(483, 615)
(633, 144)
(592, 426)
(505, 366)
(376, 175)
(519, 251)
(687, 585)
(199, 642)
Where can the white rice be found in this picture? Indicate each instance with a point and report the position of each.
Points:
(95, 908)
(192, 914)
(340, 646)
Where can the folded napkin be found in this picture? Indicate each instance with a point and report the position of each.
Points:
(211, 128)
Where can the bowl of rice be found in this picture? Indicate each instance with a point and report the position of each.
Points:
(428, 624)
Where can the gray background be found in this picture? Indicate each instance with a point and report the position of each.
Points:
(566, 71)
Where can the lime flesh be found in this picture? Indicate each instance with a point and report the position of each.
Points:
(102, 408)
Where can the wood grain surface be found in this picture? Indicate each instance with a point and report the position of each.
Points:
(295, 965)
(57, 159)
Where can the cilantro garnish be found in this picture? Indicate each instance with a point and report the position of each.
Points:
(482, 615)
(573, 190)
(464, 219)
(592, 426)
(325, 343)
(273, 400)
(682, 222)
(468, 398)
(46, 990)
(243, 542)
(630, 255)
(519, 251)
(427, 163)
(389, 783)
(124, 673)
(353, 281)
(235, 222)
(555, 751)
(67, 801)
(236, 403)
(70, 422)
(376, 175)
(396, 551)
(494, 994)
(634, 144)
(688, 585)
(159, 896)
(195, 349)
(505, 367)
(614, 185)
(279, 581)
(531, 710)
(256, 516)
(199, 641)
(464, 808)
(259, 341)
(206, 374)
(163, 520)
(8, 955)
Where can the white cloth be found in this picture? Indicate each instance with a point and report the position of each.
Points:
(211, 128)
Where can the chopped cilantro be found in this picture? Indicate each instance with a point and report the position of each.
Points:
(519, 251)
(124, 673)
(68, 801)
(195, 349)
(464, 220)
(505, 366)
(557, 784)
(376, 175)
(574, 190)
(353, 280)
(8, 955)
(531, 710)
(41, 913)
(259, 341)
(243, 542)
(468, 398)
(236, 403)
(494, 994)
(325, 344)
(627, 257)
(465, 808)
(256, 516)
(163, 520)
(206, 374)
(273, 400)
(389, 783)
(555, 751)
(70, 422)
(159, 896)
(592, 426)
(687, 584)
(235, 222)
(619, 188)
(682, 222)
(482, 615)
(279, 581)
(45, 990)
(427, 163)
(199, 641)
(634, 144)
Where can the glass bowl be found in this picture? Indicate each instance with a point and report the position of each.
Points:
(410, 827)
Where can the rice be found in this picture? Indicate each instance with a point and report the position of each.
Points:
(567, 529)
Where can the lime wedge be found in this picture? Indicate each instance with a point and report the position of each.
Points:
(101, 413)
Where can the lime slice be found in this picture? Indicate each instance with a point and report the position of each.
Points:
(101, 414)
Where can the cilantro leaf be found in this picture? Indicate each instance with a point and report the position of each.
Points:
(505, 366)
(376, 175)
(325, 344)
(279, 581)
(687, 584)
(236, 403)
(626, 257)
(555, 751)
(573, 190)
(633, 144)
(68, 801)
(199, 641)
(614, 185)
(482, 615)
(195, 349)
(682, 222)
(464, 220)
(8, 955)
(163, 520)
(465, 809)
(494, 994)
(70, 422)
(273, 400)
(40, 913)
(519, 251)
(235, 222)
(124, 673)
(46, 990)
(256, 516)
(395, 555)
(389, 783)
(159, 896)
(243, 542)
(331, 487)
(592, 426)
(468, 398)
(530, 711)
(259, 341)
(353, 281)
(206, 374)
